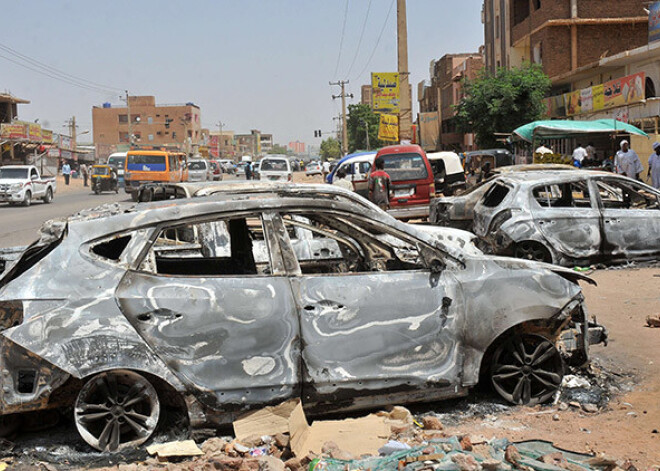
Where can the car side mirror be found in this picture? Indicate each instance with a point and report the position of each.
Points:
(35, 177)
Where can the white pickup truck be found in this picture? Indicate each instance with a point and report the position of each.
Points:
(23, 183)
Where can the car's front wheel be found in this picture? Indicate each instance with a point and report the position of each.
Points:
(527, 369)
(117, 409)
(27, 199)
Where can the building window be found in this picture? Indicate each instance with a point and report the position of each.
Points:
(173, 134)
(650, 88)
(537, 4)
(123, 119)
(538, 53)
(123, 137)
(151, 137)
(157, 116)
(159, 133)
(150, 120)
(167, 133)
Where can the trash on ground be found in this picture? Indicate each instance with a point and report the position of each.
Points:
(175, 449)
(653, 321)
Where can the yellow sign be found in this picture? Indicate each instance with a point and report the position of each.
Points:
(388, 129)
(385, 92)
(612, 94)
(47, 136)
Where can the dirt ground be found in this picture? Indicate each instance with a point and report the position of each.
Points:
(628, 428)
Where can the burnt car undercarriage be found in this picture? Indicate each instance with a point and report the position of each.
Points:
(344, 312)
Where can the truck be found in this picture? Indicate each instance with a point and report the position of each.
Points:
(21, 184)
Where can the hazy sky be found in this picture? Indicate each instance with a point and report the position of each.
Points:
(253, 64)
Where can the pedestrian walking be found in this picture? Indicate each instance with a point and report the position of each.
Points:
(66, 171)
(579, 155)
(626, 162)
(380, 185)
(591, 151)
(248, 170)
(84, 171)
(654, 166)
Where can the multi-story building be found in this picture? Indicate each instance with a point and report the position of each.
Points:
(224, 142)
(365, 95)
(444, 92)
(266, 141)
(150, 124)
(249, 144)
(562, 35)
(297, 147)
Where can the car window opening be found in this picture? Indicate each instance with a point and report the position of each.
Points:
(564, 195)
(216, 248)
(111, 249)
(403, 167)
(495, 195)
(617, 195)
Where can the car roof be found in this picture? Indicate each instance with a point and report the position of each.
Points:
(552, 176)
(402, 149)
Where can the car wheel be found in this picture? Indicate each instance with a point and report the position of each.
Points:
(27, 199)
(117, 409)
(134, 195)
(527, 369)
(49, 196)
(530, 250)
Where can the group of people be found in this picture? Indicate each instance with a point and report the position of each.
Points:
(380, 184)
(626, 161)
(83, 170)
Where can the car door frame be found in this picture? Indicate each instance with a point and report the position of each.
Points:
(360, 393)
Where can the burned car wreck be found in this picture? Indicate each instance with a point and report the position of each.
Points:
(564, 217)
(229, 302)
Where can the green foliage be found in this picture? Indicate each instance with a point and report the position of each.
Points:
(278, 149)
(502, 102)
(358, 115)
(330, 149)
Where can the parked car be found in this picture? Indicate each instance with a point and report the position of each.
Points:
(412, 180)
(313, 168)
(448, 172)
(216, 170)
(275, 169)
(23, 183)
(220, 304)
(198, 170)
(256, 167)
(118, 161)
(565, 217)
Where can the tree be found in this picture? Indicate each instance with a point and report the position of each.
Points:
(278, 149)
(330, 149)
(358, 116)
(502, 102)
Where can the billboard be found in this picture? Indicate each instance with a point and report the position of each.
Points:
(615, 93)
(34, 132)
(654, 22)
(385, 92)
(47, 136)
(429, 130)
(388, 129)
(13, 131)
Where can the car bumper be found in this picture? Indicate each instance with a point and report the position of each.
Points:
(410, 212)
(12, 197)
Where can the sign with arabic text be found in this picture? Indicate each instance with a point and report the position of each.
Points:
(385, 92)
(388, 129)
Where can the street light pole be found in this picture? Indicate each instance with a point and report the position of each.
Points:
(130, 127)
(220, 124)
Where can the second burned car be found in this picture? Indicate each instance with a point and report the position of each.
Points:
(230, 302)
(564, 217)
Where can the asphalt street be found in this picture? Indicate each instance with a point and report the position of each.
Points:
(20, 225)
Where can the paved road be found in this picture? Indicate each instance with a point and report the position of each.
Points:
(20, 226)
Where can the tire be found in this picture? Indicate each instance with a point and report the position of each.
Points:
(526, 369)
(531, 250)
(134, 195)
(117, 409)
(27, 199)
(49, 196)
(97, 190)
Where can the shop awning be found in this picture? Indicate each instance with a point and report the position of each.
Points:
(559, 129)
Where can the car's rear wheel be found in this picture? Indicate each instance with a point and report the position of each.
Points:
(531, 250)
(527, 369)
(117, 409)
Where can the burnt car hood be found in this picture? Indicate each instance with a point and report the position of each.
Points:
(566, 273)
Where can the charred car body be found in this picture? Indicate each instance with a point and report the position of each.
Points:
(221, 303)
(563, 217)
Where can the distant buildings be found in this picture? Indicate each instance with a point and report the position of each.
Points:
(365, 95)
(297, 147)
(150, 124)
(437, 98)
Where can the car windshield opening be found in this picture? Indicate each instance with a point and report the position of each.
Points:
(197, 166)
(273, 165)
(495, 195)
(18, 173)
(402, 167)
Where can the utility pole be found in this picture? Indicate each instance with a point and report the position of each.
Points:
(366, 131)
(344, 124)
(220, 124)
(405, 101)
(130, 127)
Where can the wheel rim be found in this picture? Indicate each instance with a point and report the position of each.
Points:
(531, 252)
(49, 195)
(117, 409)
(527, 370)
(28, 198)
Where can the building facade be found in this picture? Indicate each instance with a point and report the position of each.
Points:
(365, 95)
(561, 35)
(297, 147)
(150, 124)
(443, 92)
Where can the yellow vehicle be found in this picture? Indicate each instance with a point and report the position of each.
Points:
(104, 178)
(153, 166)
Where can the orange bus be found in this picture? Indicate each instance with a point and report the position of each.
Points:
(149, 166)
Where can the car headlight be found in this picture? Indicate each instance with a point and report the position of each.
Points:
(16, 187)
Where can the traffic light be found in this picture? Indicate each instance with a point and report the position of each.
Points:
(318, 133)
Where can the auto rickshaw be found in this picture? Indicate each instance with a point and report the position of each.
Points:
(104, 178)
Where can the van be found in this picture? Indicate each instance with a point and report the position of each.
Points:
(149, 166)
(357, 167)
(275, 169)
(413, 184)
(118, 161)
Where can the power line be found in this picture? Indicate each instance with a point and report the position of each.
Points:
(34, 69)
(50, 71)
(366, 65)
(341, 40)
(357, 50)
